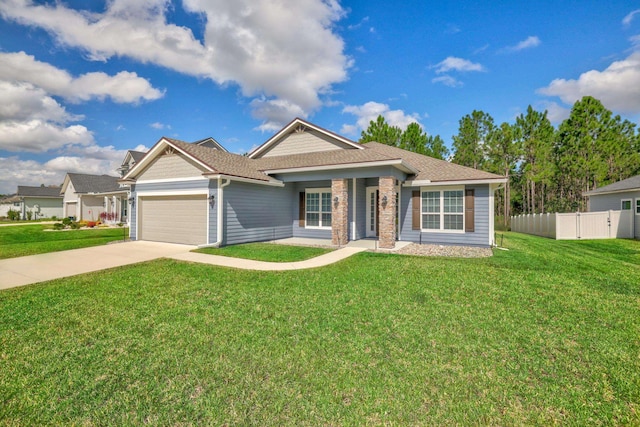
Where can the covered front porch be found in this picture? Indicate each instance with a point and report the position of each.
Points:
(344, 211)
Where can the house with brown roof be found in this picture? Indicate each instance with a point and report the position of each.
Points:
(34, 202)
(619, 196)
(306, 181)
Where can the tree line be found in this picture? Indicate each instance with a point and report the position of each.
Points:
(548, 168)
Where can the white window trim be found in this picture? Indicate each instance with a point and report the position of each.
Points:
(442, 213)
(306, 211)
(630, 204)
(637, 206)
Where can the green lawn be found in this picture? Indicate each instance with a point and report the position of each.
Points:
(267, 252)
(545, 333)
(25, 240)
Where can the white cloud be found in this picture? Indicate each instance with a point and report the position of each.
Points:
(453, 63)
(618, 86)
(23, 101)
(274, 113)
(626, 21)
(447, 80)
(91, 159)
(124, 87)
(159, 126)
(555, 112)
(528, 43)
(282, 50)
(370, 111)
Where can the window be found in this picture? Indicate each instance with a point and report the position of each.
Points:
(637, 206)
(626, 205)
(318, 208)
(443, 210)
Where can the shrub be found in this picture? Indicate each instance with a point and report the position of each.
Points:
(54, 218)
(58, 226)
(29, 215)
(67, 221)
(91, 224)
(13, 215)
(75, 225)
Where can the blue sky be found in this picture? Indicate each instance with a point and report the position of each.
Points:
(81, 86)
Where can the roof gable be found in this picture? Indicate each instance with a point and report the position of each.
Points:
(299, 137)
(210, 143)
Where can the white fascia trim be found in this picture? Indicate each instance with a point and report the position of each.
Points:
(152, 155)
(286, 129)
(428, 183)
(272, 182)
(396, 162)
(194, 192)
(156, 181)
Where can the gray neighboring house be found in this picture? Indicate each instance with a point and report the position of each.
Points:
(87, 196)
(42, 202)
(619, 196)
(308, 182)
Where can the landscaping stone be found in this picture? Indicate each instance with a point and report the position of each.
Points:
(446, 251)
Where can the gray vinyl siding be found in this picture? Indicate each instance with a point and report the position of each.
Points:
(309, 233)
(613, 202)
(256, 213)
(309, 141)
(48, 207)
(170, 166)
(480, 237)
(165, 188)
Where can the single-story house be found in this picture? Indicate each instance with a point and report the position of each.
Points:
(42, 202)
(87, 196)
(306, 181)
(620, 196)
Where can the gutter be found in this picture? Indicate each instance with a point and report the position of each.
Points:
(219, 223)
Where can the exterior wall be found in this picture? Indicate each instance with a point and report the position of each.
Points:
(310, 233)
(479, 237)
(605, 202)
(340, 212)
(69, 196)
(309, 141)
(200, 186)
(48, 207)
(256, 213)
(92, 207)
(387, 212)
(170, 166)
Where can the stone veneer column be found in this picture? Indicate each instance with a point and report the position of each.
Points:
(339, 212)
(387, 212)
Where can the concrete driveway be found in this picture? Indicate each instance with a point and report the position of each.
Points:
(38, 268)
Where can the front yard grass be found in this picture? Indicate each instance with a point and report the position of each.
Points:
(16, 241)
(270, 252)
(545, 333)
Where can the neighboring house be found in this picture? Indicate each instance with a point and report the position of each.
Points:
(130, 159)
(87, 196)
(620, 196)
(308, 182)
(42, 202)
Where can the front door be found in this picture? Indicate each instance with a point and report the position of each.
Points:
(372, 211)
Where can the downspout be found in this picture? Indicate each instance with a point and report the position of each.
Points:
(220, 210)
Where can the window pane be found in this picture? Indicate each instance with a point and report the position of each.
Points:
(453, 201)
(326, 202)
(453, 222)
(313, 219)
(431, 222)
(313, 202)
(431, 202)
(638, 206)
(626, 205)
(326, 220)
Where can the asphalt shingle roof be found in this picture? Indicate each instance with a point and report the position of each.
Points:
(136, 155)
(632, 183)
(25, 191)
(428, 168)
(83, 183)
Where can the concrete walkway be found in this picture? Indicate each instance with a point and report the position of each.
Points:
(247, 264)
(54, 265)
(26, 270)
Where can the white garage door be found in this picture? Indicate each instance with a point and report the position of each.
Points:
(174, 219)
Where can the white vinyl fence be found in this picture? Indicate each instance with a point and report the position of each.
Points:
(579, 225)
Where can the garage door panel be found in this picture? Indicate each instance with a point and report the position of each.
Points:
(174, 219)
